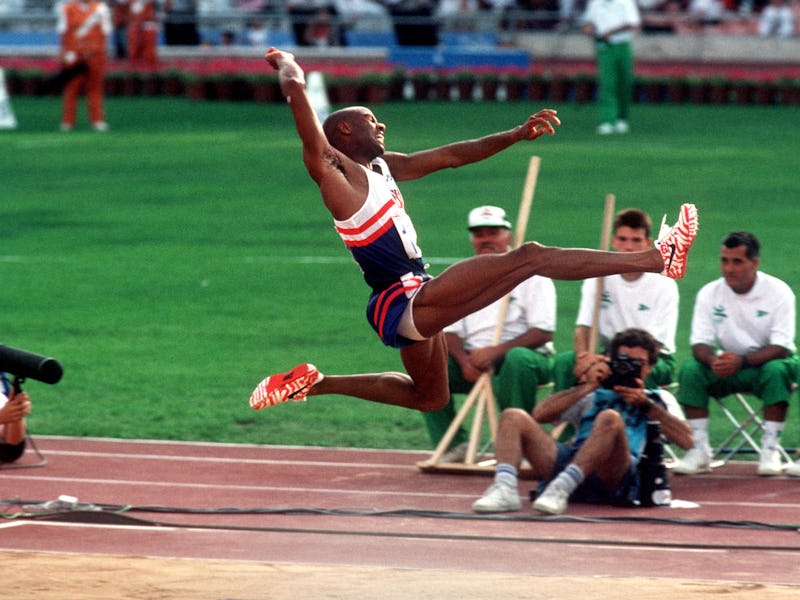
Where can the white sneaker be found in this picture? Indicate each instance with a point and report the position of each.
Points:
(605, 129)
(770, 464)
(793, 470)
(100, 126)
(456, 454)
(553, 500)
(696, 460)
(621, 126)
(498, 498)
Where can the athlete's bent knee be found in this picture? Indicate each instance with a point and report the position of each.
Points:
(433, 403)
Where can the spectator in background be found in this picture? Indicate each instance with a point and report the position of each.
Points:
(568, 12)
(180, 23)
(520, 360)
(704, 13)
(414, 21)
(612, 24)
(742, 337)
(661, 16)
(321, 16)
(143, 33)
(256, 33)
(119, 22)
(354, 13)
(458, 15)
(227, 38)
(322, 29)
(84, 28)
(777, 19)
(14, 407)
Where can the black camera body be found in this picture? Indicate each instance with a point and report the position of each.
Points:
(624, 371)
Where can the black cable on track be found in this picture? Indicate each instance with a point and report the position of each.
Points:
(110, 518)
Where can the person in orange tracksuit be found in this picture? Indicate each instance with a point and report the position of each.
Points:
(143, 32)
(84, 27)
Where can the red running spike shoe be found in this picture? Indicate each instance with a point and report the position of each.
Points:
(292, 385)
(675, 242)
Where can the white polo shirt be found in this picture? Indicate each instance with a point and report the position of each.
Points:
(742, 323)
(649, 302)
(607, 15)
(532, 305)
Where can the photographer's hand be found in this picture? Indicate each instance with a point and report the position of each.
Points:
(17, 408)
(634, 396)
(595, 369)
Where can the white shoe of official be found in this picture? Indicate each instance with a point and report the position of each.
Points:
(793, 470)
(553, 500)
(456, 454)
(769, 464)
(696, 460)
(498, 498)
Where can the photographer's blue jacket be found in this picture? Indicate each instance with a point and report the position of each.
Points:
(635, 419)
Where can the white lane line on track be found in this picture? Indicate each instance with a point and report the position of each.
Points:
(231, 486)
(148, 528)
(211, 459)
(645, 548)
(202, 444)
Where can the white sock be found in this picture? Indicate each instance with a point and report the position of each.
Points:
(699, 431)
(569, 479)
(772, 435)
(506, 474)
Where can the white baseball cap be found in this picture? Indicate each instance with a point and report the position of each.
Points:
(487, 216)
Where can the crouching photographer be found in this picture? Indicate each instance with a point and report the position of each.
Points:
(15, 404)
(601, 464)
(14, 407)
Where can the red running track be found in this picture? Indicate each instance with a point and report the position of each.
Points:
(306, 505)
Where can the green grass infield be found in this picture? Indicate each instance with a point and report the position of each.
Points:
(173, 262)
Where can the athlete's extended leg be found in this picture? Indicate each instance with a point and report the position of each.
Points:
(478, 281)
(424, 388)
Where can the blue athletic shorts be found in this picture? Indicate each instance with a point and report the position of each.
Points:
(592, 490)
(385, 309)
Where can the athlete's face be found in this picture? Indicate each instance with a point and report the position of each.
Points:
(738, 270)
(370, 131)
(490, 240)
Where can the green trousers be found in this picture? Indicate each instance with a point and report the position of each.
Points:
(771, 382)
(663, 372)
(615, 80)
(514, 384)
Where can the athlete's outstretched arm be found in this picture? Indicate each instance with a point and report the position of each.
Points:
(341, 182)
(457, 154)
(316, 149)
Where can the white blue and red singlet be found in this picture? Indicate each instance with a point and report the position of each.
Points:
(382, 240)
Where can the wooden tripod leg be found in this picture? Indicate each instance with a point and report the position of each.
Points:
(485, 405)
(460, 417)
(605, 240)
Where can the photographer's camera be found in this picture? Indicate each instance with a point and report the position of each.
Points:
(624, 371)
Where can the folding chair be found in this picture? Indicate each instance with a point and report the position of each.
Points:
(743, 432)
